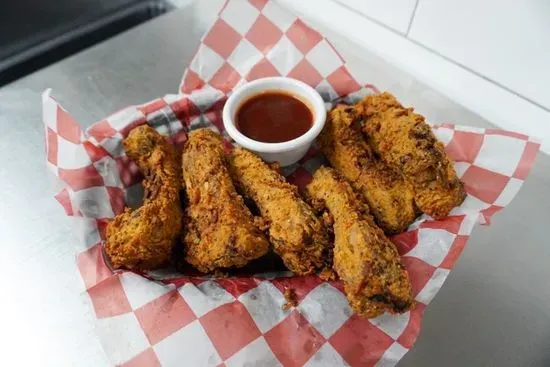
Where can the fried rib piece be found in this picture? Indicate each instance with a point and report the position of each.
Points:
(406, 142)
(364, 258)
(298, 236)
(389, 197)
(143, 238)
(220, 232)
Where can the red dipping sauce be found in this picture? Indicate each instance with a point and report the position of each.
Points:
(273, 117)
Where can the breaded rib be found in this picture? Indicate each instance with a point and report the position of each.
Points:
(298, 236)
(405, 141)
(220, 232)
(390, 198)
(143, 238)
(364, 258)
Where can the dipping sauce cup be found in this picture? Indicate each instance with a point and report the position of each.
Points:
(260, 115)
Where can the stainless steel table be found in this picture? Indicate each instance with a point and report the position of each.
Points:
(493, 309)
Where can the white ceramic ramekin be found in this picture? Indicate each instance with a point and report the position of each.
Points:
(288, 152)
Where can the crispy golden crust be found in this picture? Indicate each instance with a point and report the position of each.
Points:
(219, 228)
(405, 141)
(364, 258)
(389, 197)
(143, 238)
(297, 235)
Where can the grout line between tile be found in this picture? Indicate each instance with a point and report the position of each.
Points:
(412, 18)
(344, 5)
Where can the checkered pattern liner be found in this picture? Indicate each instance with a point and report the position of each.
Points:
(166, 318)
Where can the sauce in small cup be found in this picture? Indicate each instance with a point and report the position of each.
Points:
(277, 118)
(273, 117)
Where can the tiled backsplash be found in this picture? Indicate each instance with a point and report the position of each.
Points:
(506, 41)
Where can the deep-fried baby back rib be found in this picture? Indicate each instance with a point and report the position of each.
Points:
(364, 258)
(143, 238)
(405, 141)
(390, 198)
(297, 235)
(219, 228)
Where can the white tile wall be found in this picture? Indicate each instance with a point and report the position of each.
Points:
(507, 41)
(396, 14)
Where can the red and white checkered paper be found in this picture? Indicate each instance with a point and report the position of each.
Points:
(172, 319)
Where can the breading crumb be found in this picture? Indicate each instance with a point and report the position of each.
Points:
(218, 273)
(291, 299)
(327, 274)
(328, 220)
